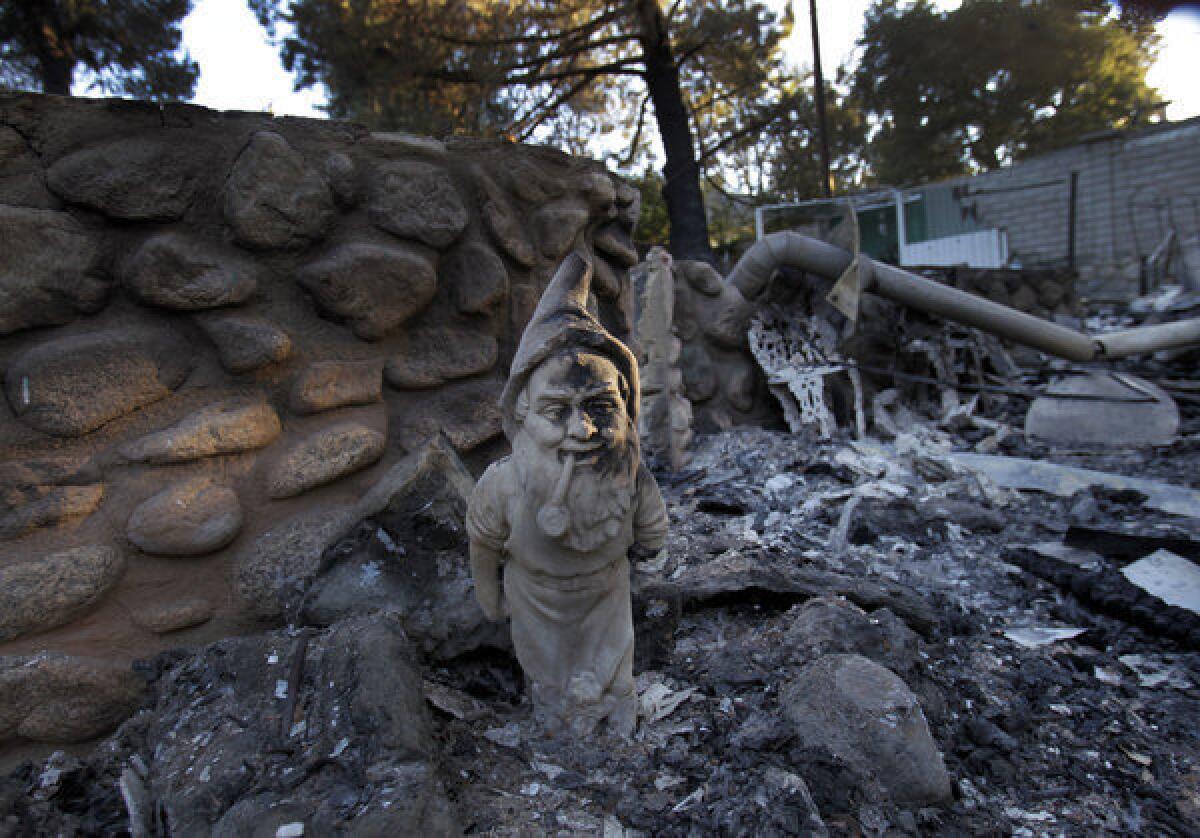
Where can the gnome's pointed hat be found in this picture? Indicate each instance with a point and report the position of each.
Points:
(562, 321)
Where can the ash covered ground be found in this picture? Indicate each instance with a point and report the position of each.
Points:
(790, 562)
(1097, 734)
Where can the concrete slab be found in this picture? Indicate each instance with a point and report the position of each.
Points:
(1103, 409)
(1064, 481)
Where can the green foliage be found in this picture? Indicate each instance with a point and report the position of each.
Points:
(783, 162)
(732, 72)
(730, 221)
(385, 63)
(730, 225)
(653, 226)
(123, 47)
(997, 80)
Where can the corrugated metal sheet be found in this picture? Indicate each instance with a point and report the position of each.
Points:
(982, 249)
(944, 214)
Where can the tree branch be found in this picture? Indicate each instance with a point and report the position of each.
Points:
(567, 53)
(613, 68)
(590, 26)
(721, 95)
(637, 133)
(737, 199)
(548, 109)
(687, 54)
(729, 139)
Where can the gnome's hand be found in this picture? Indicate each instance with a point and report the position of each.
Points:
(491, 601)
(485, 572)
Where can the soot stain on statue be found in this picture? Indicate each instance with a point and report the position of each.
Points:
(609, 459)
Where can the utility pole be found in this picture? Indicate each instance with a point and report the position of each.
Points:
(822, 125)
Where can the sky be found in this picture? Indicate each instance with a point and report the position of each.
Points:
(240, 70)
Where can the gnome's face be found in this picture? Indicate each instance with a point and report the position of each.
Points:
(577, 448)
(576, 405)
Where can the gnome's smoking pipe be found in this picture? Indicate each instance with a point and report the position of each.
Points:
(553, 518)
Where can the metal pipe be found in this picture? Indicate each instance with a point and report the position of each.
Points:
(1175, 335)
(926, 295)
(775, 250)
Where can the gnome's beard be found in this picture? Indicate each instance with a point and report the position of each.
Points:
(599, 494)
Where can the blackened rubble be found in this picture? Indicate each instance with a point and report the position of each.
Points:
(930, 576)
(1073, 737)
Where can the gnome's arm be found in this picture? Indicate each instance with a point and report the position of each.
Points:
(485, 570)
(650, 523)
(487, 530)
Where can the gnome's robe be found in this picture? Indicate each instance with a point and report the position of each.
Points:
(572, 621)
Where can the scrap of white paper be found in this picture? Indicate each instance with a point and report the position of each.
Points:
(1171, 578)
(659, 701)
(1031, 637)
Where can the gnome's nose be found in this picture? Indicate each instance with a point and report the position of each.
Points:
(580, 426)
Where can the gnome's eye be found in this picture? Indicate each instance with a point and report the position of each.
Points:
(602, 406)
(554, 412)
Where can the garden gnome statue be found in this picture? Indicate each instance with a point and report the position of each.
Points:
(557, 518)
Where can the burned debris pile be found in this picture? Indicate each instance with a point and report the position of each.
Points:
(842, 637)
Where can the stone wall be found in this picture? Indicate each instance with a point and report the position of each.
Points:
(1044, 292)
(218, 333)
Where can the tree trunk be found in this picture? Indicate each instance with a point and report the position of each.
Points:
(685, 202)
(56, 73)
(41, 27)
